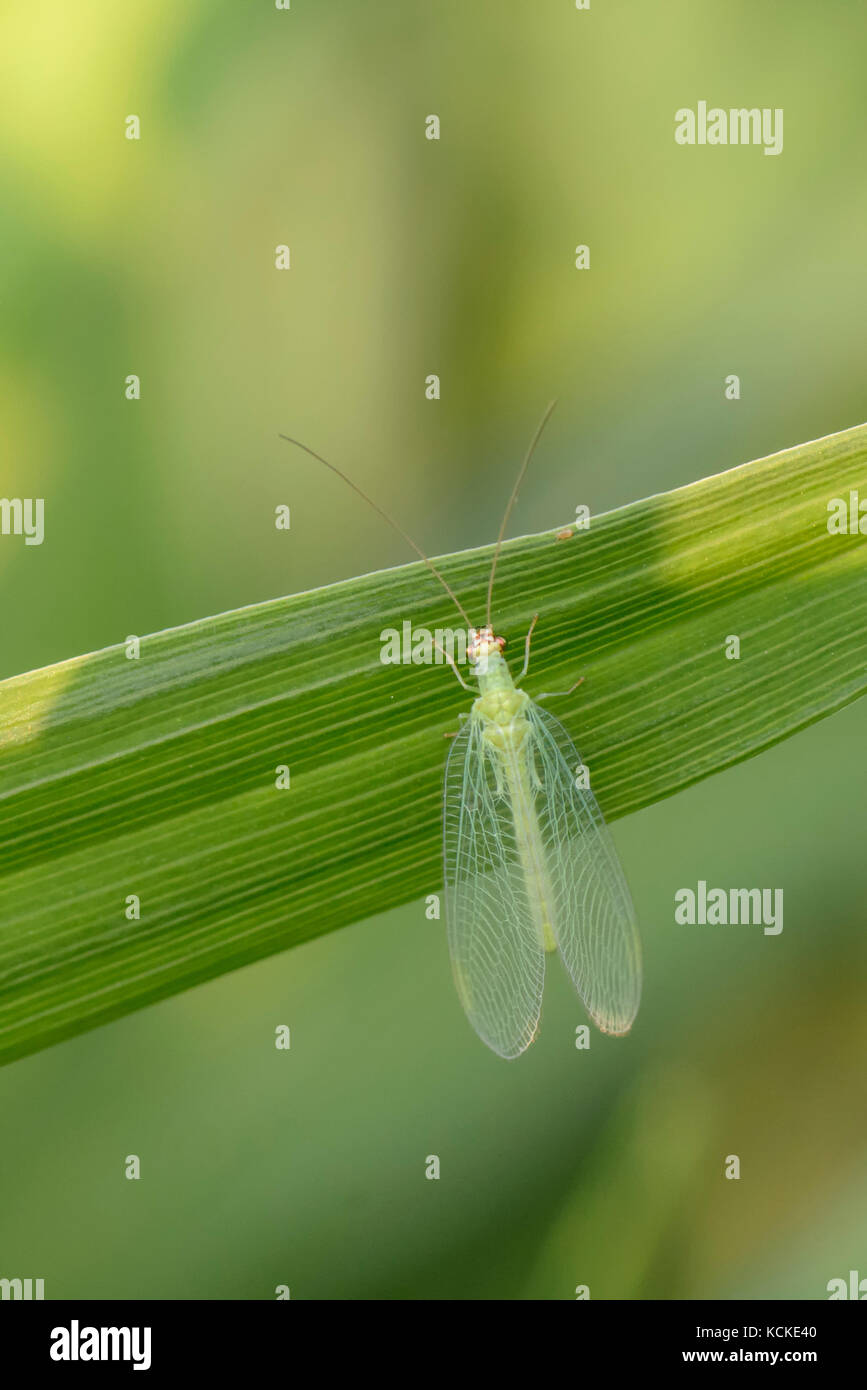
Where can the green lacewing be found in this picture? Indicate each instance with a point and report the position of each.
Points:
(530, 867)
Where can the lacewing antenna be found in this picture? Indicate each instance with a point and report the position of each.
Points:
(392, 523)
(409, 540)
(512, 500)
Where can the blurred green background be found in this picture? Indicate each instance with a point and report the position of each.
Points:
(456, 257)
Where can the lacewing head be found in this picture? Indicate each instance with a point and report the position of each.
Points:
(482, 643)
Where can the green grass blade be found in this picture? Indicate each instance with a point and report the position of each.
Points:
(156, 776)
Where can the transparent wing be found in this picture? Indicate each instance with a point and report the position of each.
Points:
(593, 916)
(497, 956)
